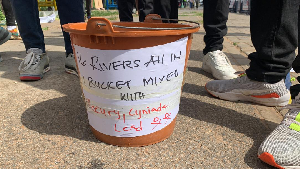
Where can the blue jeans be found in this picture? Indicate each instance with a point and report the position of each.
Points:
(27, 17)
(287, 81)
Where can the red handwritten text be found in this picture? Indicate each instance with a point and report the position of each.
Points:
(147, 111)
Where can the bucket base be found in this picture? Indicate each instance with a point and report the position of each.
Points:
(136, 141)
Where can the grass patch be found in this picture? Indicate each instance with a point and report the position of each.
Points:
(45, 28)
(104, 13)
(2, 17)
(113, 18)
(234, 43)
(184, 15)
(193, 13)
(199, 14)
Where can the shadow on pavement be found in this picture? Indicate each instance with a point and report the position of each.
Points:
(238, 34)
(197, 55)
(200, 71)
(199, 33)
(231, 119)
(60, 116)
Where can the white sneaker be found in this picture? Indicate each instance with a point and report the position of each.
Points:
(218, 65)
(244, 89)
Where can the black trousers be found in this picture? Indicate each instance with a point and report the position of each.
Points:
(215, 16)
(8, 12)
(165, 8)
(88, 7)
(274, 34)
(125, 10)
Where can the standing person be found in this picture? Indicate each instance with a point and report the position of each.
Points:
(215, 16)
(197, 4)
(99, 4)
(184, 3)
(179, 3)
(274, 33)
(191, 4)
(10, 19)
(36, 62)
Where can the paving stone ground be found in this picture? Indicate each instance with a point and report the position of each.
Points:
(44, 123)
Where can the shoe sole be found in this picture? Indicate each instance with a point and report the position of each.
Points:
(267, 101)
(27, 77)
(269, 159)
(71, 71)
(207, 69)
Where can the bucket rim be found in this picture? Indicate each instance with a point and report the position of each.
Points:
(99, 26)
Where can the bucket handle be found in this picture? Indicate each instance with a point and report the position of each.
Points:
(100, 24)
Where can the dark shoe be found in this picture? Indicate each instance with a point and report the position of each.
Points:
(4, 35)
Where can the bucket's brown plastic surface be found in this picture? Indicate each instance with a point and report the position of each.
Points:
(137, 141)
(100, 33)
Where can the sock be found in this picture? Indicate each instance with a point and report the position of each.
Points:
(9, 28)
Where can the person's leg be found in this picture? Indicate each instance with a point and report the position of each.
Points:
(88, 7)
(8, 12)
(27, 17)
(215, 16)
(281, 147)
(274, 36)
(69, 12)
(36, 62)
(214, 20)
(296, 62)
(166, 9)
(145, 7)
(125, 8)
(10, 19)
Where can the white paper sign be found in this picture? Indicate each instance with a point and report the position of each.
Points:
(133, 92)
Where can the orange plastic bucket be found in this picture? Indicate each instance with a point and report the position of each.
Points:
(131, 75)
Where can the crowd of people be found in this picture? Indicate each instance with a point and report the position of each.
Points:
(192, 4)
(274, 33)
